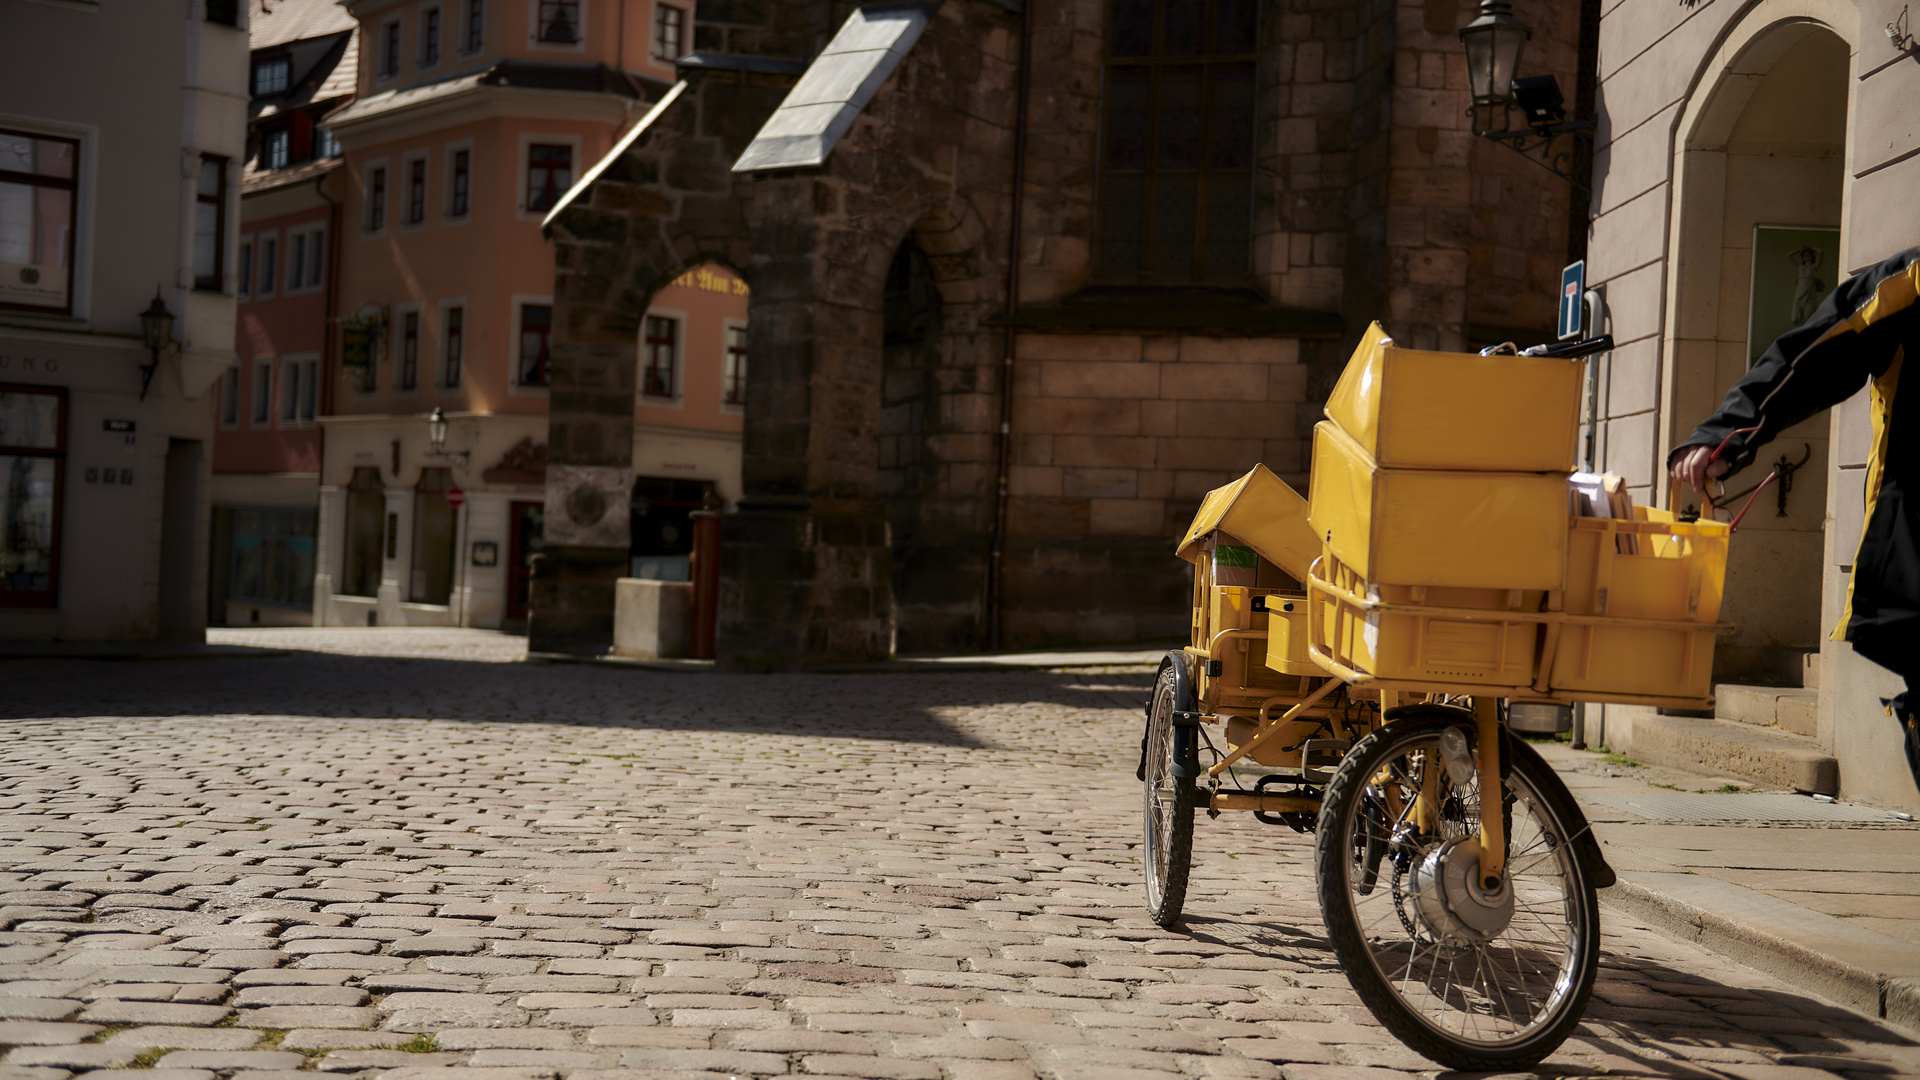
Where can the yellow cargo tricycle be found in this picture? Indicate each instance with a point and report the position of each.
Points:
(1375, 653)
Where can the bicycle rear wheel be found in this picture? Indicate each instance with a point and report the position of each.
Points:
(1168, 805)
(1475, 980)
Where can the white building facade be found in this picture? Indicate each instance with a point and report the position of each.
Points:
(122, 129)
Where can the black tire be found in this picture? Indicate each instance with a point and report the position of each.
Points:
(1493, 997)
(1168, 796)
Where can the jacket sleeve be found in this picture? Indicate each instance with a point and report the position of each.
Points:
(1814, 366)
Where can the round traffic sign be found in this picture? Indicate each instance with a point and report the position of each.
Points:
(455, 497)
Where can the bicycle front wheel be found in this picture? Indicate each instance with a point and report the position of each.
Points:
(1476, 979)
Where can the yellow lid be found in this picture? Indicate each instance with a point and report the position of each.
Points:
(1263, 513)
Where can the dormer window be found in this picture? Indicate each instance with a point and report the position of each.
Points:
(274, 149)
(272, 76)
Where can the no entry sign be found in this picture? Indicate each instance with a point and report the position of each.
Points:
(455, 497)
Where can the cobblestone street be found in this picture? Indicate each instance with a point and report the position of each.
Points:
(403, 856)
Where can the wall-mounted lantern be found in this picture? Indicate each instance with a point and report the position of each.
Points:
(437, 425)
(1493, 42)
(156, 328)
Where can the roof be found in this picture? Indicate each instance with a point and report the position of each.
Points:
(341, 81)
(256, 180)
(633, 135)
(276, 22)
(579, 78)
(837, 86)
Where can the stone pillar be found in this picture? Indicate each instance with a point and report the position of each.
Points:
(589, 482)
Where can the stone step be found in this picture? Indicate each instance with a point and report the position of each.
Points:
(1789, 708)
(1767, 756)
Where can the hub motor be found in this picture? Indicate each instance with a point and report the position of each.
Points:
(1448, 895)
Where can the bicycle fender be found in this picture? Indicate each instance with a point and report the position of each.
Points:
(1585, 846)
(1186, 763)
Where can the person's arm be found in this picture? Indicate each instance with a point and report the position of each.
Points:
(1814, 366)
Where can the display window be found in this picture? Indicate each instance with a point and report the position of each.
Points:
(33, 450)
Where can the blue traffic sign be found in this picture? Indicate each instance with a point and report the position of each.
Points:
(1573, 286)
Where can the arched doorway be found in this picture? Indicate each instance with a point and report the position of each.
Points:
(1757, 246)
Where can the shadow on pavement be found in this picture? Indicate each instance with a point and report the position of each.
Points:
(338, 686)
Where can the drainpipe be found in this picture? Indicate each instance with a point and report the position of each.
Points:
(324, 399)
(995, 558)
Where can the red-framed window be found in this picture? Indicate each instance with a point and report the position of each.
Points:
(657, 378)
(409, 374)
(733, 372)
(669, 32)
(549, 175)
(462, 183)
(33, 458)
(536, 336)
(456, 346)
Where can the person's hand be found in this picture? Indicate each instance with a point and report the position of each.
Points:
(1693, 467)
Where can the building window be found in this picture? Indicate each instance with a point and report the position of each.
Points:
(289, 392)
(559, 22)
(433, 539)
(273, 557)
(309, 390)
(210, 224)
(669, 32)
(274, 149)
(416, 191)
(306, 258)
(407, 375)
(1176, 178)
(461, 183)
(245, 288)
(476, 25)
(456, 338)
(269, 262)
(390, 49)
(325, 145)
(662, 357)
(272, 76)
(549, 175)
(429, 36)
(536, 334)
(224, 12)
(39, 181)
(376, 199)
(296, 260)
(33, 449)
(366, 527)
(733, 374)
(262, 393)
(230, 398)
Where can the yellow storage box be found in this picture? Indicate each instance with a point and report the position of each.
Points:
(1437, 528)
(1263, 513)
(1430, 410)
(1641, 624)
(1287, 636)
(1400, 634)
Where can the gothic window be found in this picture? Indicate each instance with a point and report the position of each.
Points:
(1176, 158)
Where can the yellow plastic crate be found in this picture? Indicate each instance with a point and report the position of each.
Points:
(1381, 632)
(1660, 608)
(1429, 410)
(1287, 636)
(1437, 528)
(1263, 513)
(1247, 660)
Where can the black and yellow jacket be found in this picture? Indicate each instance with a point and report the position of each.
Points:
(1866, 330)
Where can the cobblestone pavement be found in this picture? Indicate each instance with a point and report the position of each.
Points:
(421, 868)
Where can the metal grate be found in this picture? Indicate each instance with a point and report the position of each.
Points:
(1686, 806)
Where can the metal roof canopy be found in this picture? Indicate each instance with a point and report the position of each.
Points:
(836, 86)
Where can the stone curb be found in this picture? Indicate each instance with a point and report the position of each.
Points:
(1888, 999)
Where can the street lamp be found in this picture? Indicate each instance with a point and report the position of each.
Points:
(1493, 42)
(437, 437)
(156, 327)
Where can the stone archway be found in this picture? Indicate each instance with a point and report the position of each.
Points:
(1761, 164)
